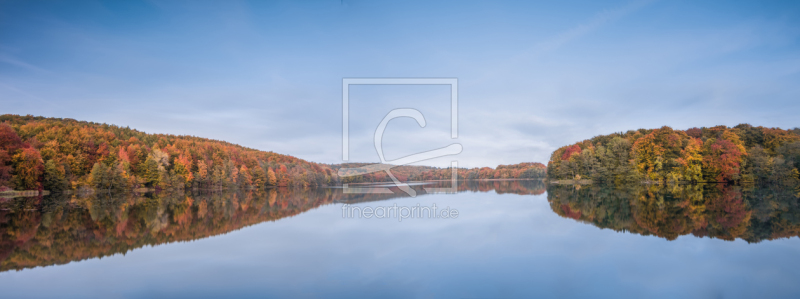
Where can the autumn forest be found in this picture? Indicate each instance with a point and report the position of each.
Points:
(53, 154)
(742, 154)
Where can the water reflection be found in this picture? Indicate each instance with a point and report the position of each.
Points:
(751, 213)
(53, 230)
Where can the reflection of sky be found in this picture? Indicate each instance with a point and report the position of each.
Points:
(500, 246)
(533, 76)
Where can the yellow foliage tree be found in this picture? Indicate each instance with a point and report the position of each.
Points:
(648, 156)
(272, 180)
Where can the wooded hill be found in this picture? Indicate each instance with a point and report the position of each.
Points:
(718, 154)
(64, 154)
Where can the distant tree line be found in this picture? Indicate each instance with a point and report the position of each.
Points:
(349, 174)
(403, 173)
(718, 154)
(64, 154)
(515, 171)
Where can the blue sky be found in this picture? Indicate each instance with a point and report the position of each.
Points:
(532, 76)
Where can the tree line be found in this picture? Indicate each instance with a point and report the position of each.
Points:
(743, 153)
(348, 174)
(525, 170)
(404, 173)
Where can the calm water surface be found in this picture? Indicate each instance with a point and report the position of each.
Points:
(510, 239)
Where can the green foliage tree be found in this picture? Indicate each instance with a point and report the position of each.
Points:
(151, 173)
(615, 162)
(108, 177)
(54, 177)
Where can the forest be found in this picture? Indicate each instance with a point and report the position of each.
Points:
(55, 154)
(740, 154)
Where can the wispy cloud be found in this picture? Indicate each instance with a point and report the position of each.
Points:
(599, 20)
(48, 105)
(4, 58)
(561, 39)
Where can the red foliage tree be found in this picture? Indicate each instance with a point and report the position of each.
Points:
(572, 150)
(694, 132)
(722, 159)
(10, 143)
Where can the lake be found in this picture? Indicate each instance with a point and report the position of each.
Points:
(496, 239)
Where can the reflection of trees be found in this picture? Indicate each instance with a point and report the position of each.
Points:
(63, 229)
(59, 229)
(717, 211)
(665, 214)
(522, 187)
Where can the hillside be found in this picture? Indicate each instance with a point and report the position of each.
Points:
(64, 154)
(718, 154)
